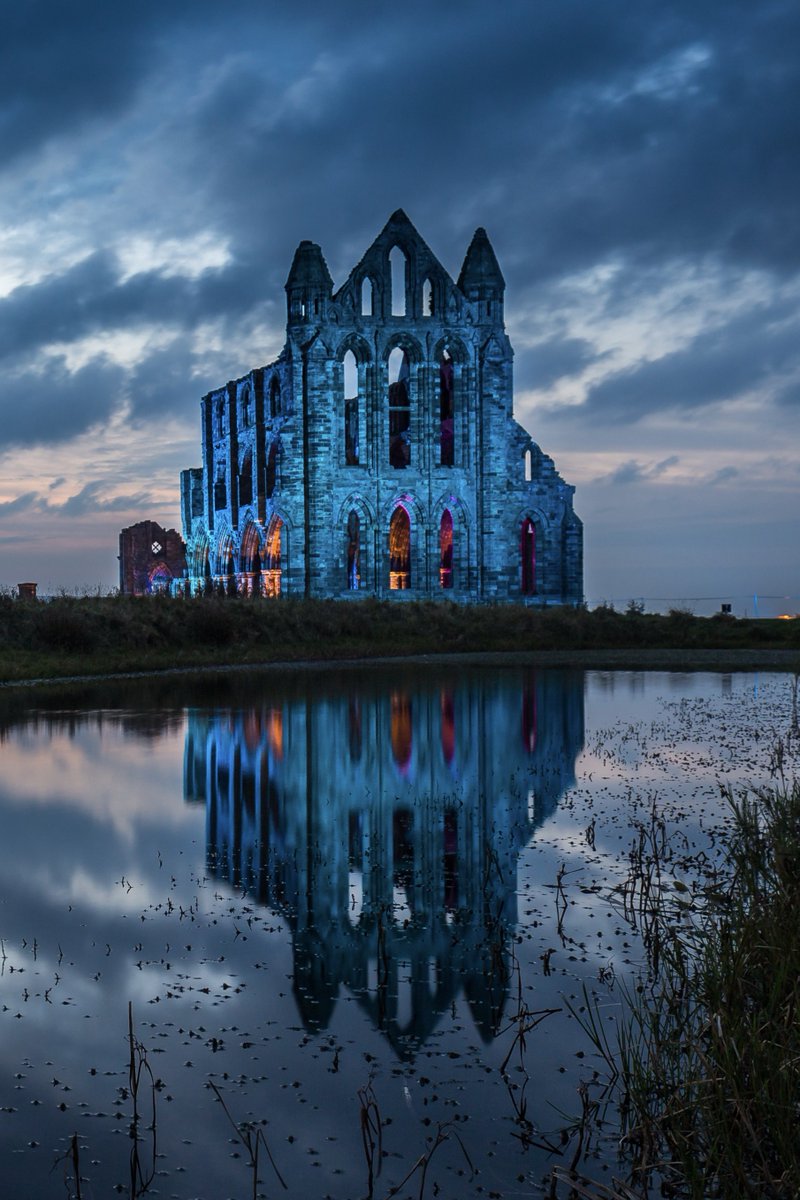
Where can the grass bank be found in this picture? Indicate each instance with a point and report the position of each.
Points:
(708, 1057)
(96, 635)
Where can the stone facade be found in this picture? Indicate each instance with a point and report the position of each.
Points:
(151, 559)
(378, 455)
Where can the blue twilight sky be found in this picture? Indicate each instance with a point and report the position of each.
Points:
(636, 165)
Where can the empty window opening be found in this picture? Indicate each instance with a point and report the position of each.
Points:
(527, 545)
(367, 297)
(446, 550)
(350, 409)
(528, 466)
(446, 410)
(427, 298)
(399, 409)
(397, 265)
(271, 471)
(399, 550)
(247, 408)
(219, 419)
(220, 489)
(353, 552)
(274, 397)
(272, 561)
(246, 480)
(448, 726)
(450, 859)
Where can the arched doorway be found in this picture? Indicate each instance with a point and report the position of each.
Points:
(399, 550)
(272, 559)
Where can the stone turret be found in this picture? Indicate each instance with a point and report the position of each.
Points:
(481, 279)
(309, 286)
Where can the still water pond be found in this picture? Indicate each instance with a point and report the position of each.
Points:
(327, 900)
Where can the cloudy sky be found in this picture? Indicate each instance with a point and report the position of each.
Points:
(637, 167)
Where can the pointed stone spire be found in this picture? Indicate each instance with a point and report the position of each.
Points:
(309, 268)
(309, 286)
(481, 277)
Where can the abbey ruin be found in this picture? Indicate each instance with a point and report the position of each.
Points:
(378, 455)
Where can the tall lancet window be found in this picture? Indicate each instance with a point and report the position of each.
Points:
(527, 546)
(446, 411)
(399, 550)
(350, 409)
(399, 409)
(367, 297)
(353, 552)
(446, 550)
(397, 266)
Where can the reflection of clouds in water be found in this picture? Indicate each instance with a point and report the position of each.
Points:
(113, 779)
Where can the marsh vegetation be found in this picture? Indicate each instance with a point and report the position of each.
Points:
(74, 635)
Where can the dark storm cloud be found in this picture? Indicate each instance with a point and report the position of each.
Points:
(56, 404)
(89, 297)
(746, 354)
(21, 504)
(577, 133)
(542, 365)
(636, 472)
(90, 499)
(573, 132)
(724, 475)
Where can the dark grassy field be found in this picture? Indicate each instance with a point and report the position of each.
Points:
(94, 635)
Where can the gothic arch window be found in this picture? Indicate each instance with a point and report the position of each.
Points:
(351, 405)
(220, 489)
(528, 466)
(399, 550)
(353, 552)
(246, 410)
(219, 418)
(446, 549)
(271, 481)
(427, 299)
(446, 409)
(527, 549)
(272, 559)
(275, 396)
(367, 297)
(399, 409)
(246, 479)
(397, 268)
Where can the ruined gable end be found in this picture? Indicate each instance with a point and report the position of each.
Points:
(379, 455)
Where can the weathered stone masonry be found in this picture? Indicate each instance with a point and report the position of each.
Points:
(378, 455)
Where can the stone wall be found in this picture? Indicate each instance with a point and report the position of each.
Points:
(379, 454)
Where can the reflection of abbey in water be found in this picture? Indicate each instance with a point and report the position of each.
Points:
(385, 825)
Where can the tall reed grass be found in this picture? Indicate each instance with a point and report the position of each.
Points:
(708, 1060)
